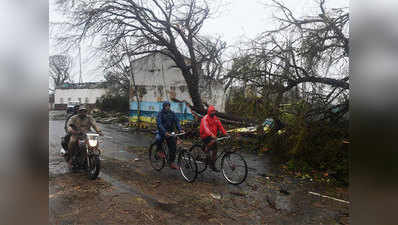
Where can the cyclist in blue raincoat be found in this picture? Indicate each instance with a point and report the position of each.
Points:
(167, 122)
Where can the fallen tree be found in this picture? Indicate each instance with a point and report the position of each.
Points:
(226, 118)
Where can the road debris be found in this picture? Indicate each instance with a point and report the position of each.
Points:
(325, 196)
(238, 193)
(215, 196)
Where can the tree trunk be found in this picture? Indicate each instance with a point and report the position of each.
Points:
(275, 110)
(193, 89)
(137, 97)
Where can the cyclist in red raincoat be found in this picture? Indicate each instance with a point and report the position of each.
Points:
(209, 126)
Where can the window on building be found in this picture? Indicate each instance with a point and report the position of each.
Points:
(98, 99)
(80, 100)
(61, 100)
(69, 99)
(87, 100)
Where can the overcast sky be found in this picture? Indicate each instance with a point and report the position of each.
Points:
(238, 20)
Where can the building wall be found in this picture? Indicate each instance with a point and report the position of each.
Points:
(157, 69)
(75, 94)
(162, 81)
(215, 97)
(149, 111)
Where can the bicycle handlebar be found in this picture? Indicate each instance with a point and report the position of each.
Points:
(175, 135)
(222, 138)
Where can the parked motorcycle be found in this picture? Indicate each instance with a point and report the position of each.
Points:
(88, 155)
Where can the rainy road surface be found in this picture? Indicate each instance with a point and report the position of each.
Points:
(129, 191)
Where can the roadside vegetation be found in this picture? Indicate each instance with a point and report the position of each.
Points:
(296, 74)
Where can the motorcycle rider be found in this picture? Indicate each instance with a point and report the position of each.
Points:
(167, 121)
(80, 123)
(209, 127)
(65, 140)
(75, 111)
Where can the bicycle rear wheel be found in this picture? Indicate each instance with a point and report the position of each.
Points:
(187, 166)
(234, 168)
(156, 157)
(199, 156)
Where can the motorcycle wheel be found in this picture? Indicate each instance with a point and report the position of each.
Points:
(94, 167)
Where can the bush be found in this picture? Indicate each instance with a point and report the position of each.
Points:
(116, 103)
(306, 145)
(316, 145)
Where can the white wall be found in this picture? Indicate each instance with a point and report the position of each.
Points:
(75, 94)
(148, 72)
(217, 97)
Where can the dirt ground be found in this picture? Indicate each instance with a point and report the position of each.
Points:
(129, 191)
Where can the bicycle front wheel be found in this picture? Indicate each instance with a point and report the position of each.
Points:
(234, 168)
(187, 166)
(156, 157)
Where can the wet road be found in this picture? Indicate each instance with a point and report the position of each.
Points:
(129, 191)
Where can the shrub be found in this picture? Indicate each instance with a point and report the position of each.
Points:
(314, 145)
(116, 103)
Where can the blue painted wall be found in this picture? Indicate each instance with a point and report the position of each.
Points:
(149, 111)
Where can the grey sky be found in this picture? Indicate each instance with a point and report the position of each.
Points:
(238, 21)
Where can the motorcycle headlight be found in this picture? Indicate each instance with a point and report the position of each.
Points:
(92, 140)
(92, 143)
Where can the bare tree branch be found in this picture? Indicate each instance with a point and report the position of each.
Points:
(169, 27)
(59, 68)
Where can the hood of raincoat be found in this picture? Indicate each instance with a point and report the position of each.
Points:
(210, 110)
(165, 103)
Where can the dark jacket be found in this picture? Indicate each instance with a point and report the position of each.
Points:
(167, 121)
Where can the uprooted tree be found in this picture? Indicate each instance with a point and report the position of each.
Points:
(305, 56)
(305, 62)
(169, 27)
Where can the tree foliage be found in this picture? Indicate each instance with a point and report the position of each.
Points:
(115, 103)
(59, 68)
(305, 58)
(117, 72)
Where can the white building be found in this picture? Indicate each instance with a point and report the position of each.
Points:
(158, 79)
(84, 93)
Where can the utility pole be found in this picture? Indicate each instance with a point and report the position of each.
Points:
(80, 64)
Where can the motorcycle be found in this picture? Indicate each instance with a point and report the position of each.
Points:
(87, 156)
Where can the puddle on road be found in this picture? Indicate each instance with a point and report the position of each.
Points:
(57, 167)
